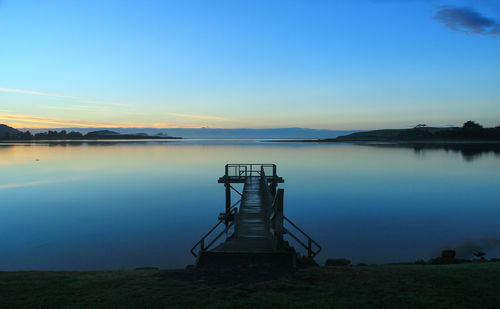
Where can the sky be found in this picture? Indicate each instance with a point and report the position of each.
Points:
(348, 65)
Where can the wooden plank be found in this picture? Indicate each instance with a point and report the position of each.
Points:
(253, 233)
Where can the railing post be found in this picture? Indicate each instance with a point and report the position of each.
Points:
(272, 188)
(278, 224)
(236, 223)
(228, 201)
(273, 184)
(309, 248)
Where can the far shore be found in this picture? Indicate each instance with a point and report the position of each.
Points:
(89, 140)
(332, 140)
(469, 133)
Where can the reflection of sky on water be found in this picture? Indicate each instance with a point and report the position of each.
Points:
(125, 205)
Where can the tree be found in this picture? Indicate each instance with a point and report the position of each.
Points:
(26, 135)
(75, 135)
(471, 125)
(479, 254)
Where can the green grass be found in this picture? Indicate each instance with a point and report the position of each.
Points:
(474, 285)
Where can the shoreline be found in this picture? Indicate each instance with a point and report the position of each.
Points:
(90, 141)
(385, 141)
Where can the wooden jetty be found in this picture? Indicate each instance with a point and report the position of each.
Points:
(254, 231)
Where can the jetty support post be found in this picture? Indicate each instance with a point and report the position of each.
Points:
(279, 216)
(227, 185)
(228, 201)
(274, 182)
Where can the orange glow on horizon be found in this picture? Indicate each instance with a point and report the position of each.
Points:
(36, 122)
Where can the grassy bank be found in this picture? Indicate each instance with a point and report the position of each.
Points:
(473, 285)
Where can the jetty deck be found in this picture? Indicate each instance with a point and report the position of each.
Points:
(253, 234)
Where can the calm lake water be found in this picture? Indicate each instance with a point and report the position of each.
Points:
(126, 205)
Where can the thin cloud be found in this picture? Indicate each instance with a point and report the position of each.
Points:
(52, 121)
(91, 106)
(88, 108)
(77, 108)
(467, 20)
(32, 183)
(30, 121)
(56, 95)
(45, 94)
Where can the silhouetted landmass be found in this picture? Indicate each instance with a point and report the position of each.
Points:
(470, 131)
(103, 132)
(8, 133)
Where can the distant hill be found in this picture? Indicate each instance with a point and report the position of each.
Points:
(103, 132)
(394, 134)
(6, 131)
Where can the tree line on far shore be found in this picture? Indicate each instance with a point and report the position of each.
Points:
(50, 135)
(13, 134)
(470, 130)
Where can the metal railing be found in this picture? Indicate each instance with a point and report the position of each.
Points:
(312, 251)
(277, 227)
(273, 218)
(250, 169)
(201, 242)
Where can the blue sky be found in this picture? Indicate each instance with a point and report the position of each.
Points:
(258, 64)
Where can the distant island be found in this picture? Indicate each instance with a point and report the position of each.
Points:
(470, 131)
(9, 133)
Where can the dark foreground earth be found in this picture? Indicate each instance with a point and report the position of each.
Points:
(471, 285)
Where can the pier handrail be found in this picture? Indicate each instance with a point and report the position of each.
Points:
(238, 172)
(263, 178)
(248, 169)
(273, 216)
(273, 206)
(201, 242)
(309, 247)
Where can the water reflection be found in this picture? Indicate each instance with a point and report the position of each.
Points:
(468, 151)
(126, 205)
